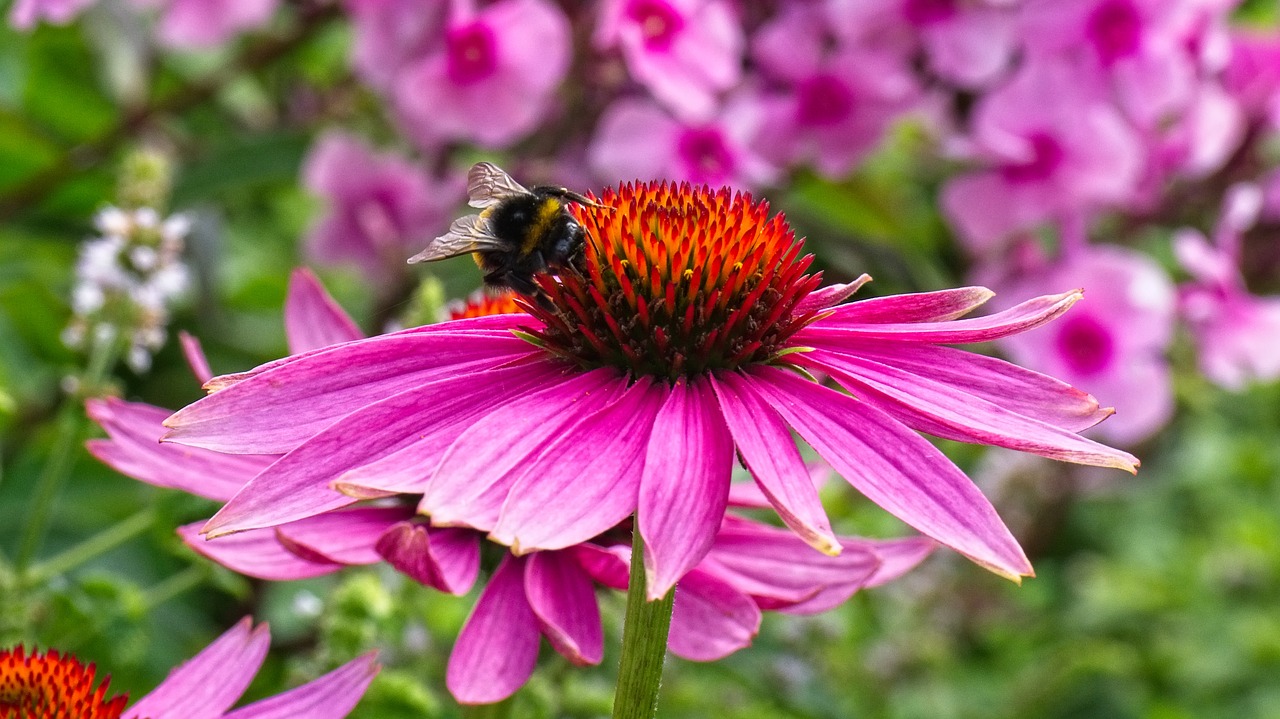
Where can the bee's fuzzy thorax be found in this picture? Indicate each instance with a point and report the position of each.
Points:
(676, 280)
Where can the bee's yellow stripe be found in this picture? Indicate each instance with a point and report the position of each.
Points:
(541, 224)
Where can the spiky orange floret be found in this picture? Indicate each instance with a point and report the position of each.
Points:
(483, 304)
(676, 280)
(52, 686)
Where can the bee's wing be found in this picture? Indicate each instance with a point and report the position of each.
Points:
(466, 235)
(488, 185)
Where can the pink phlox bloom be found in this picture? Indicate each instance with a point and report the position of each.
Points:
(26, 13)
(492, 79)
(826, 105)
(211, 681)
(1234, 331)
(638, 139)
(378, 205)
(519, 438)
(1053, 149)
(1133, 47)
(198, 24)
(684, 51)
(1114, 342)
(1253, 74)
(391, 33)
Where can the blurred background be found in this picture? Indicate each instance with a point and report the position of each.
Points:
(165, 164)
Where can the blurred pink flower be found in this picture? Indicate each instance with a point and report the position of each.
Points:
(1237, 334)
(205, 23)
(684, 51)
(637, 139)
(547, 444)
(1253, 75)
(391, 33)
(831, 106)
(26, 13)
(1114, 341)
(51, 684)
(492, 78)
(1054, 150)
(378, 205)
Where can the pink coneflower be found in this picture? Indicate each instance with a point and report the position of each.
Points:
(51, 684)
(684, 335)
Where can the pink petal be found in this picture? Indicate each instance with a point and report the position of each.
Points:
(1019, 390)
(1028, 315)
(585, 482)
(563, 597)
(312, 319)
(711, 619)
(897, 557)
(609, 566)
(685, 484)
(893, 467)
(940, 306)
(331, 696)
(498, 646)
(276, 410)
(211, 681)
(959, 415)
(134, 450)
(478, 470)
(346, 536)
(194, 354)
(831, 295)
(770, 453)
(256, 553)
(444, 559)
(431, 414)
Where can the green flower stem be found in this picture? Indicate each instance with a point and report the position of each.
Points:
(644, 644)
(85, 551)
(501, 710)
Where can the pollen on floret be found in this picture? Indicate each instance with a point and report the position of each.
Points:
(676, 280)
(51, 686)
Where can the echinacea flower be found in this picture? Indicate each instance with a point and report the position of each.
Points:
(683, 337)
(51, 684)
(751, 567)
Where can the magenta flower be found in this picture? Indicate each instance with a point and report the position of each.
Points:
(378, 205)
(678, 342)
(1235, 332)
(205, 686)
(1253, 75)
(636, 138)
(493, 77)
(205, 23)
(1114, 341)
(830, 106)
(26, 13)
(683, 51)
(1054, 150)
(391, 33)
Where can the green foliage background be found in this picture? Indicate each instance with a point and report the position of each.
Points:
(1156, 596)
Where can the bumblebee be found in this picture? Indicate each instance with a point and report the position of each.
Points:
(518, 233)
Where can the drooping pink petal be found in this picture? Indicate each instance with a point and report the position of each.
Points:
(685, 484)
(1017, 389)
(962, 416)
(298, 485)
(443, 559)
(563, 598)
(609, 566)
(770, 453)
(585, 482)
(346, 536)
(830, 295)
(194, 354)
(940, 306)
(211, 681)
(711, 619)
(312, 319)
(1028, 315)
(134, 449)
(478, 470)
(498, 646)
(331, 696)
(893, 466)
(899, 556)
(256, 553)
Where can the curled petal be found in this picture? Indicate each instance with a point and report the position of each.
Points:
(346, 536)
(831, 295)
(444, 559)
(194, 354)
